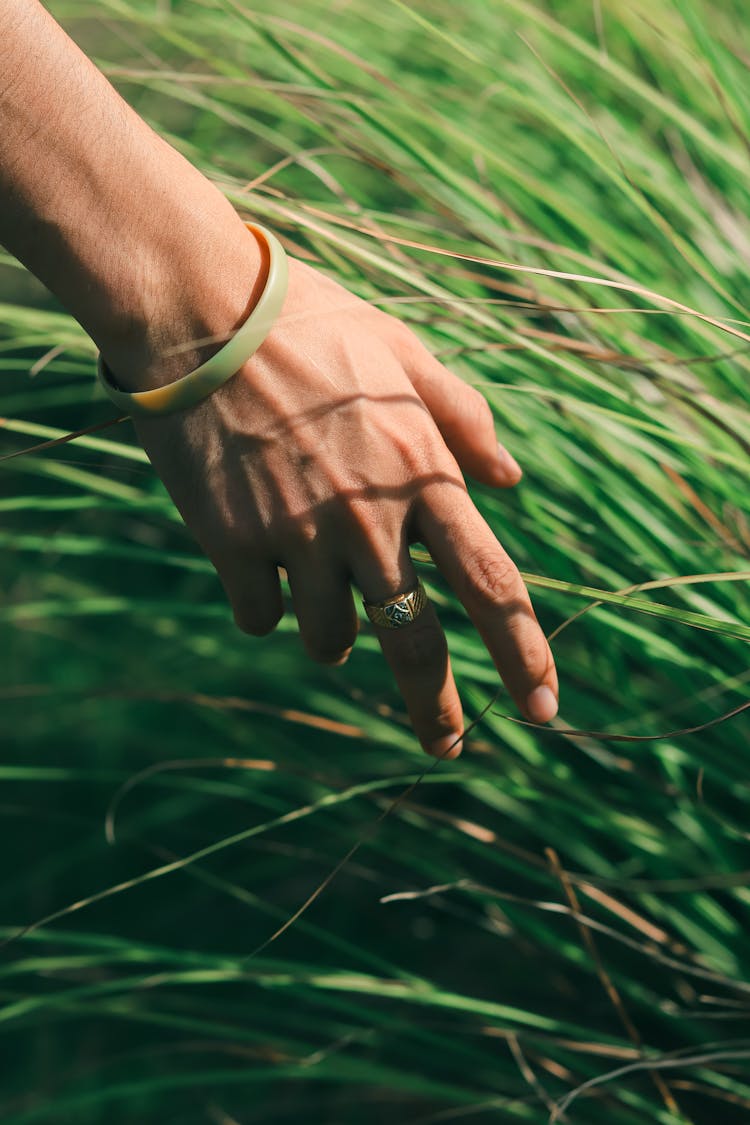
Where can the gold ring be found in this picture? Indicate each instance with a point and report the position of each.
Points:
(399, 610)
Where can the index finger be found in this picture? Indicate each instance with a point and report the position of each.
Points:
(487, 582)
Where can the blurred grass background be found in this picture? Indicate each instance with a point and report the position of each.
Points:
(543, 190)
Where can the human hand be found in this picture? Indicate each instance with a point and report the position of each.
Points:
(339, 443)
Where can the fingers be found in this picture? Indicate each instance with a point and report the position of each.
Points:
(254, 592)
(324, 606)
(321, 597)
(488, 584)
(463, 417)
(418, 657)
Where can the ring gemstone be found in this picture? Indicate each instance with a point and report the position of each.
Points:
(398, 611)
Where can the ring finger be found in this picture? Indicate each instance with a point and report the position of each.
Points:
(417, 654)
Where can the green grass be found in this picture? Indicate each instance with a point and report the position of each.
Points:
(556, 197)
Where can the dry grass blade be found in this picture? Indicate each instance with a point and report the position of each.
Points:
(607, 982)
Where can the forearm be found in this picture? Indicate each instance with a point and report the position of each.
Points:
(134, 241)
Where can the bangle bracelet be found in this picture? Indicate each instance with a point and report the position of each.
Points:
(199, 384)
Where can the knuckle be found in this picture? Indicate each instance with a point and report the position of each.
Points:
(537, 655)
(531, 644)
(422, 448)
(296, 533)
(442, 718)
(366, 519)
(493, 579)
(375, 532)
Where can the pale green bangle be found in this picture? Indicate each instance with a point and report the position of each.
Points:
(199, 384)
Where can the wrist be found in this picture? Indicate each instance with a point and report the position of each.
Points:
(133, 240)
(194, 293)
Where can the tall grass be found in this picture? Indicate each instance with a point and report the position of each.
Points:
(555, 196)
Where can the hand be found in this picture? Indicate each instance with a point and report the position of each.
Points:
(337, 445)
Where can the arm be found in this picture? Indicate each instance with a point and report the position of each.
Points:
(137, 244)
(339, 443)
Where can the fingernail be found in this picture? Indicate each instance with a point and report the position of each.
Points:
(542, 705)
(341, 659)
(508, 463)
(439, 747)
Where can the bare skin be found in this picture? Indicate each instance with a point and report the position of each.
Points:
(339, 443)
